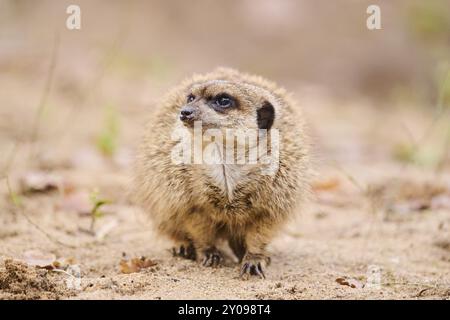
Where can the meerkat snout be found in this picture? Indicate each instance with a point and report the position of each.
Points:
(197, 204)
(187, 114)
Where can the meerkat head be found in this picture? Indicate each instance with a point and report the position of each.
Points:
(228, 104)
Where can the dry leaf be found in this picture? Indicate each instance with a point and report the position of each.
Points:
(405, 196)
(325, 185)
(47, 261)
(135, 265)
(39, 181)
(63, 263)
(443, 244)
(352, 283)
(338, 200)
(39, 259)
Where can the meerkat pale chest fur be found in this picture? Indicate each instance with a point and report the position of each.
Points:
(225, 158)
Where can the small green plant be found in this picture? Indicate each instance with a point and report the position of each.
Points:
(107, 141)
(405, 153)
(14, 197)
(443, 80)
(97, 203)
(431, 149)
(430, 20)
(427, 155)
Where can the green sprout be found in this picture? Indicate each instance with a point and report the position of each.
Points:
(97, 203)
(15, 198)
(107, 140)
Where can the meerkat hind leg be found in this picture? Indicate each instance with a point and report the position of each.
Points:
(254, 264)
(212, 257)
(185, 250)
(255, 259)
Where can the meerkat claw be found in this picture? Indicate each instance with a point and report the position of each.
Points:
(212, 258)
(187, 252)
(259, 271)
(244, 271)
(253, 265)
(250, 268)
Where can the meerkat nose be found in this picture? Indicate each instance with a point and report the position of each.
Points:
(187, 113)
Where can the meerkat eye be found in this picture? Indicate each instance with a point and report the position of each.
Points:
(190, 98)
(224, 101)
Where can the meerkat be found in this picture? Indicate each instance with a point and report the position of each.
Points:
(198, 204)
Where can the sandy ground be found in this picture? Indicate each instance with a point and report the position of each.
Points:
(376, 228)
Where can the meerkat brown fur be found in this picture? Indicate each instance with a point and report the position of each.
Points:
(199, 204)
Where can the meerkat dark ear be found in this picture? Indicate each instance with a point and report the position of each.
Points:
(265, 116)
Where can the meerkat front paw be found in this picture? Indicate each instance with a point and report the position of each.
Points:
(254, 264)
(186, 251)
(212, 257)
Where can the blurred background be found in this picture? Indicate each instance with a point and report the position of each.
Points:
(73, 103)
